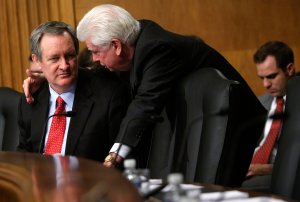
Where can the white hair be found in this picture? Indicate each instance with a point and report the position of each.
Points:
(105, 22)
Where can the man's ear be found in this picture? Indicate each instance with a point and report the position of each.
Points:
(34, 58)
(117, 46)
(290, 69)
(35, 63)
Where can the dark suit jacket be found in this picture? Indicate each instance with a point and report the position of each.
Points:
(100, 103)
(266, 100)
(162, 58)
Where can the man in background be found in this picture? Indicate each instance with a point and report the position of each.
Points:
(99, 103)
(275, 66)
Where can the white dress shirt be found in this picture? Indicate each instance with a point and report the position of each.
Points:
(68, 97)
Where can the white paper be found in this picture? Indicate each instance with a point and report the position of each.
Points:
(254, 199)
(220, 196)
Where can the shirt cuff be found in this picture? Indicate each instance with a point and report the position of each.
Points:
(121, 149)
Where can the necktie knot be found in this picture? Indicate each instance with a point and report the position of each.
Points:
(279, 104)
(60, 105)
(280, 101)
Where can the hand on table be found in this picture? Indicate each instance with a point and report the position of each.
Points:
(259, 169)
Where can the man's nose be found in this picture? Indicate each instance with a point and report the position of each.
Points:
(95, 57)
(266, 83)
(64, 63)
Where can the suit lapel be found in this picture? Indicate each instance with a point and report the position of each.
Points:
(39, 117)
(267, 102)
(82, 106)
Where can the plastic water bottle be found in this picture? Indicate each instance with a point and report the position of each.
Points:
(175, 192)
(144, 178)
(131, 174)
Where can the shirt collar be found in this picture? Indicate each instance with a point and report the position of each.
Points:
(67, 96)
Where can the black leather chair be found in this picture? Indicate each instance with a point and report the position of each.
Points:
(9, 131)
(218, 123)
(285, 179)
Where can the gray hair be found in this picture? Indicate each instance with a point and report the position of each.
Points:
(105, 22)
(54, 28)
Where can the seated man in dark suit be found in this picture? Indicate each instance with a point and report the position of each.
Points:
(275, 66)
(99, 102)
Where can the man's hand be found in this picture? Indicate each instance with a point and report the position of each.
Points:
(259, 169)
(113, 160)
(32, 83)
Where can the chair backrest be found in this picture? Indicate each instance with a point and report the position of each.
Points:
(286, 169)
(218, 123)
(9, 131)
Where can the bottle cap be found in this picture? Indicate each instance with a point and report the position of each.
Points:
(129, 163)
(175, 178)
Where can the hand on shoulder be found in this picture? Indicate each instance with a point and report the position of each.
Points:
(32, 83)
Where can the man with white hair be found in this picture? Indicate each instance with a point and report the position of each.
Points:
(156, 58)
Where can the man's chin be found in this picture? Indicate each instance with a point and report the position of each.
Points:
(110, 69)
(274, 94)
(66, 82)
(119, 69)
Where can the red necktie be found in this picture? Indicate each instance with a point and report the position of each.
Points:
(57, 130)
(262, 155)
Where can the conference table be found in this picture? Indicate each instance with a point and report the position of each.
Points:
(28, 177)
(217, 193)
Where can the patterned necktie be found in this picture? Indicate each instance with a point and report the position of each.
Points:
(57, 130)
(262, 155)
